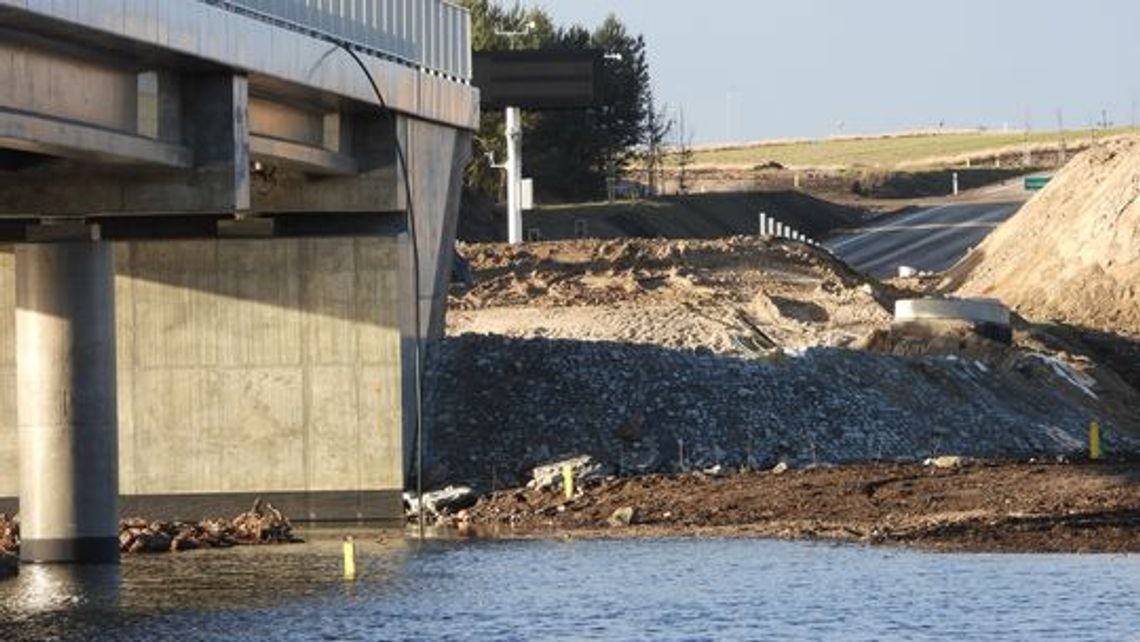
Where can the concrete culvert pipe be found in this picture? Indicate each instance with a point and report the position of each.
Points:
(989, 317)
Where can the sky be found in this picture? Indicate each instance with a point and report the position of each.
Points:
(763, 69)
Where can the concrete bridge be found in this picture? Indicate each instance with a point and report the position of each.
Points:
(207, 284)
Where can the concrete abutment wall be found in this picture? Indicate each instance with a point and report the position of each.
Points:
(247, 368)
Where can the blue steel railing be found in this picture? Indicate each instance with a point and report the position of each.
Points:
(432, 34)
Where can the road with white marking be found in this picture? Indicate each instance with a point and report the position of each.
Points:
(931, 239)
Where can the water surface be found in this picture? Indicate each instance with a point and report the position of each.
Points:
(668, 589)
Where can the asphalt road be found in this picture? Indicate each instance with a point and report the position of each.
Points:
(930, 239)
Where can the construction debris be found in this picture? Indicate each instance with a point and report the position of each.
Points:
(262, 524)
(9, 534)
(441, 503)
(584, 468)
(739, 296)
(666, 356)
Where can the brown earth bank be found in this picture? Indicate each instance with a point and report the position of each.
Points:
(1072, 254)
(946, 505)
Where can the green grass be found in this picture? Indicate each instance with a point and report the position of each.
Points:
(886, 152)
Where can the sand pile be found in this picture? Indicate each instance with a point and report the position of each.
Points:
(735, 296)
(1073, 252)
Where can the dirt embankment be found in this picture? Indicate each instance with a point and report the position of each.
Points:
(655, 358)
(736, 296)
(1032, 507)
(1072, 254)
(691, 216)
(659, 356)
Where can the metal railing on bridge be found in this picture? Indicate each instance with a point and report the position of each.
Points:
(432, 34)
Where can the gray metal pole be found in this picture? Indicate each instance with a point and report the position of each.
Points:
(66, 405)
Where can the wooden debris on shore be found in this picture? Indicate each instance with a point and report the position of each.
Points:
(262, 524)
(9, 545)
(9, 534)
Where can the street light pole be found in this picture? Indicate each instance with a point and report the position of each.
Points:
(514, 175)
(514, 135)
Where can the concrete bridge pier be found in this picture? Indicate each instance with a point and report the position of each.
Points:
(66, 402)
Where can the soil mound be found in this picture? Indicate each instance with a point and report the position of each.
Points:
(1073, 252)
(731, 296)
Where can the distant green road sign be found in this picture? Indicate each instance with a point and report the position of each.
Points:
(1035, 183)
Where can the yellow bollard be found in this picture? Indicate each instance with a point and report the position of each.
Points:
(568, 481)
(349, 559)
(1094, 441)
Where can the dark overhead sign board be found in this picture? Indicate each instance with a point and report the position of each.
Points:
(539, 79)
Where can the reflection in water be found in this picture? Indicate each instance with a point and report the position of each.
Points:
(50, 587)
(149, 596)
(638, 589)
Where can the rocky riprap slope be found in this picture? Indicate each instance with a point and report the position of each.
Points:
(500, 406)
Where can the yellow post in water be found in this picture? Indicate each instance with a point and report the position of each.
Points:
(1094, 441)
(568, 480)
(349, 559)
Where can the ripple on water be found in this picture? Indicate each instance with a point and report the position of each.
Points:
(679, 589)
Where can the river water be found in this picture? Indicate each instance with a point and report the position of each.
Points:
(668, 589)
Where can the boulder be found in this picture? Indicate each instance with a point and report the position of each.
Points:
(947, 462)
(622, 517)
(549, 476)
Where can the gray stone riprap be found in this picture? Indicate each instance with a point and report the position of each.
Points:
(497, 407)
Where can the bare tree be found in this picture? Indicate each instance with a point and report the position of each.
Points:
(657, 128)
(684, 153)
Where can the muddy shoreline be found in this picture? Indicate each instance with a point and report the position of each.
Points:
(978, 507)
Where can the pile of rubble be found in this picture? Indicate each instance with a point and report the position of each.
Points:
(9, 544)
(262, 524)
(742, 353)
(738, 296)
(503, 406)
(9, 534)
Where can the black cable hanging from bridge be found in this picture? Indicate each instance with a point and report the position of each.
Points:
(401, 157)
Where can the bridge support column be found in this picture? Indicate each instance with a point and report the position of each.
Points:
(66, 405)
